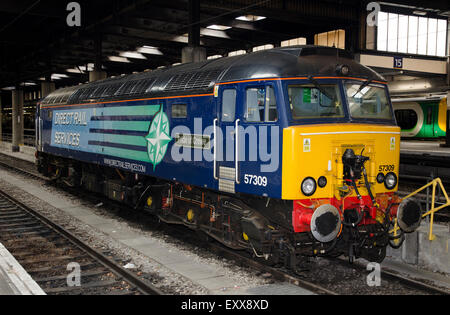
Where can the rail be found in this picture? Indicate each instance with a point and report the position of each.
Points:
(434, 183)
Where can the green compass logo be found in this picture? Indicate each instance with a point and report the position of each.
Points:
(158, 138)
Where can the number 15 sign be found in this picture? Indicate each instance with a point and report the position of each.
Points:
(398, 62)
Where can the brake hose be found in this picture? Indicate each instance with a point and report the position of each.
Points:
(367, 184)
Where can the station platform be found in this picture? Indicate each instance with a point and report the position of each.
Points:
(26, 153)
(424, 159)
(14, 280)
(427, 149)
(419, 251)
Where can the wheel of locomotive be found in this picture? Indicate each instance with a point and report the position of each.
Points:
(376, 254)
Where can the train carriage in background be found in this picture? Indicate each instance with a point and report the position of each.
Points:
(422, 118)
(287, 153)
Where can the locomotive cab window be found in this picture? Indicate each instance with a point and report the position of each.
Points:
(179, 111)
(229, 105)
(261, 105)
(368, 101)
(308, 102)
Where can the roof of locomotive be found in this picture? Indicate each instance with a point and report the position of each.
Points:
(296, 61)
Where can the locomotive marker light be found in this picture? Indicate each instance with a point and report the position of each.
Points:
(380, 178)
(325, 223)
(322, 181)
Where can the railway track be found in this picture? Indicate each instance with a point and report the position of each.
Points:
(48, 253)
(305, 279)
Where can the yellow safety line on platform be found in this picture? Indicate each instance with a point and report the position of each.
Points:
(433, 210)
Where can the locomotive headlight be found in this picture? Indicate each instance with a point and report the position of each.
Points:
(309, 186)
(390, 181)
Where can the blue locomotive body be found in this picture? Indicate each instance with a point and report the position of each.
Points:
(118, 134)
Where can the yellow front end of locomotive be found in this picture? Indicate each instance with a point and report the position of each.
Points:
(316, 151)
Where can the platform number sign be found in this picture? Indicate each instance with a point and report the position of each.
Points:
(398, 62)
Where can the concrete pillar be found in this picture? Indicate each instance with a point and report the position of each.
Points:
(310, 39)
(194, 23)
(193, 54)
(96, 75)
(47, 88)
(1, 119)
(17, 119)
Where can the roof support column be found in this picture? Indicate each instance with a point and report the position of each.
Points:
(1, 118)
(17, 119)
(193, 53)
(351, 38)
(47, 87)
(310, 40)
(98, 73)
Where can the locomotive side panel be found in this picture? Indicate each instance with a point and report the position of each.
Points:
(171, 138)
(134, 136)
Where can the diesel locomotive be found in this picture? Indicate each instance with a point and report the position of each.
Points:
(287, 153)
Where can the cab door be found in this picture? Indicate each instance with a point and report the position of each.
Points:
(260, 140)
(226, 160)
(247, 128)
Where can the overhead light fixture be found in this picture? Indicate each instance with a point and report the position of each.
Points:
(28, 84)
(214, 57)
(237, 53)
(9, 88)
(149, 50)
(74, 70)
(250, 18)
(132, 54)
(118, 59)
(421, 13)
(58, 76)
(218, 27)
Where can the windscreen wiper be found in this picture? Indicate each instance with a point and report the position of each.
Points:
(362, 87)
(320, 88)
